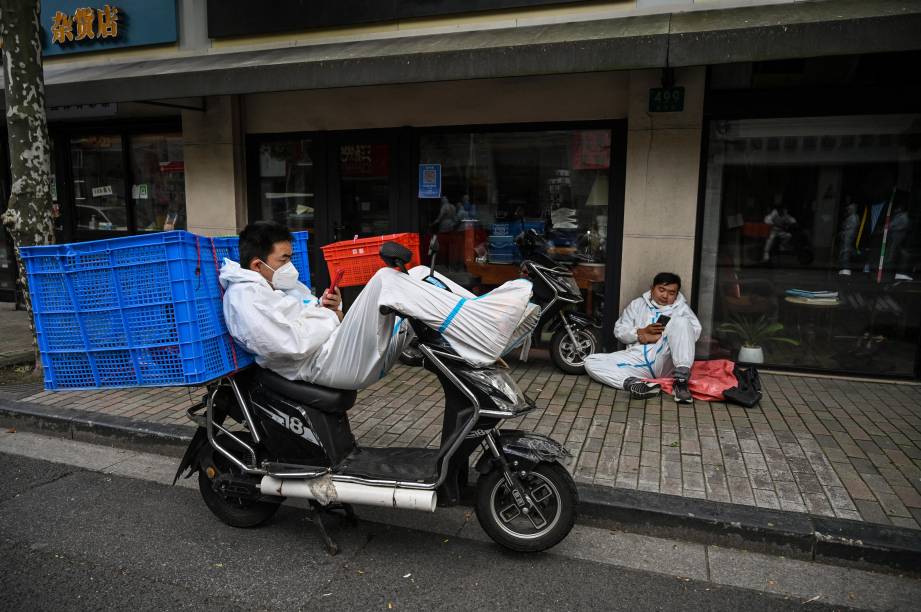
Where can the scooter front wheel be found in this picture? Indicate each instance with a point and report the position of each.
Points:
(553, 491)
(570, 356)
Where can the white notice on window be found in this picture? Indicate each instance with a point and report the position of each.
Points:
(105, 190)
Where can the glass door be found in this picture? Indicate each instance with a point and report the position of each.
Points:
(285, 189)
(365, 189)
(98, 179)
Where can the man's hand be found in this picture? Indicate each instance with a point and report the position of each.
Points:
(650, 334)
(332, 301)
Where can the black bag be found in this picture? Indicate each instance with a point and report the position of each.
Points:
(747, 392)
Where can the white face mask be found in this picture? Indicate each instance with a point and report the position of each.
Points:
(285, 277)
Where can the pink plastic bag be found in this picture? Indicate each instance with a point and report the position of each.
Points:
(708, 379)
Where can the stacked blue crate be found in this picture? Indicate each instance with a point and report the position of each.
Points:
(130, 312)
(513, 228)
(501, 245)
(502, 249)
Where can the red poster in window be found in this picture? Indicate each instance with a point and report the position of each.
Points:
(172, 166)
(591, 150)
(362, 160)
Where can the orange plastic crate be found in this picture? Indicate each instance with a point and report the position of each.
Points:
(361, 259)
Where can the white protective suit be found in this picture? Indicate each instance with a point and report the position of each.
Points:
(291, 334)
(674, 349)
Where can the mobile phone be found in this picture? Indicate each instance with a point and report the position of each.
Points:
(338, 279)
(663, 320)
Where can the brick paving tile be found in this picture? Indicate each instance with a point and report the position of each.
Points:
(766, 499)
(789, 496)
(904, 522)
(825, 446)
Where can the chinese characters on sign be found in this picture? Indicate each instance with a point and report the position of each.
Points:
(105, 21)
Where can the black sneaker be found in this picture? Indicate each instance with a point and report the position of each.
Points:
(641, 390)
(681, 392)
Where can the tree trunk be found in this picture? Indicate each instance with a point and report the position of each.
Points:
(28, 214)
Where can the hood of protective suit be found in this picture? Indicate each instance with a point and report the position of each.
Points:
(676, 305)
(281, 328)
(644, 310)
(232, 272)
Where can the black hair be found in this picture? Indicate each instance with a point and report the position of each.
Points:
(257, 240)
(666, 278)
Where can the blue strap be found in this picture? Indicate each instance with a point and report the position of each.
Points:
(648, 363)
(451, 315)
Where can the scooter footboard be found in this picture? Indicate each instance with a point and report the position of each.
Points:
(525, 447)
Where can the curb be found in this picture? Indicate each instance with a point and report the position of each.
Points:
(15, 359)
(798, 535)
(97, 428)
(793, 534)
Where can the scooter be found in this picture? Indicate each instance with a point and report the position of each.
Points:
(262, 438)
(575, 334)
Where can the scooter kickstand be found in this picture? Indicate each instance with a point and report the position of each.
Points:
(350, 515)
(315, 516)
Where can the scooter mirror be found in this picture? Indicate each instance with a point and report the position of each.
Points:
(433, 245)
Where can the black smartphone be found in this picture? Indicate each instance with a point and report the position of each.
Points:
(663, 320)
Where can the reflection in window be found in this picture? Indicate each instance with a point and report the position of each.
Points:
(158, 191)
(99, 182)
(286, 187)
(496, 185)
(812, 229)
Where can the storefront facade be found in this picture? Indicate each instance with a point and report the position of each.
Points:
(810, 214)
(340, 183)
(438, 118)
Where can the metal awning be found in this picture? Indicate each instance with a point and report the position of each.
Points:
(779, 31)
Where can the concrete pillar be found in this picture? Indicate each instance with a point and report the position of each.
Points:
(214, 178)
(663, 165)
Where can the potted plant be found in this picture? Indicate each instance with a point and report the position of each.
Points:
(754, 334)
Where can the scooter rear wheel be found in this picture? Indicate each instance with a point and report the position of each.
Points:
(235, 511)
(553, 490)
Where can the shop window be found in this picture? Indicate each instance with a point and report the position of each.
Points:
(812, 233)
(495, 185)
(286, 187)
(146, 195)
(158, 182)
(98, 169)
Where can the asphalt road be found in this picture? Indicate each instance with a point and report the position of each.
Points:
(72, 539)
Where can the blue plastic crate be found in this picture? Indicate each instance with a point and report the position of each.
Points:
(229, 247)
(137, 311)
(502, 249)
(499, 242)
(514, 228)
(503, 258)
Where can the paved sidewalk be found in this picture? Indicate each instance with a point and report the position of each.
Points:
(828, 447)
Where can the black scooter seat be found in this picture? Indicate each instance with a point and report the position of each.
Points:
(331, 401)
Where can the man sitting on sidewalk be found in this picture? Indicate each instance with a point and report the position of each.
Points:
(653, 350)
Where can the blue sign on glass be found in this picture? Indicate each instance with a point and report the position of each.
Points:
(429, 180)
(77, 26)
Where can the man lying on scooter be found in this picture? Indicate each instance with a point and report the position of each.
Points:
(277, 318)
